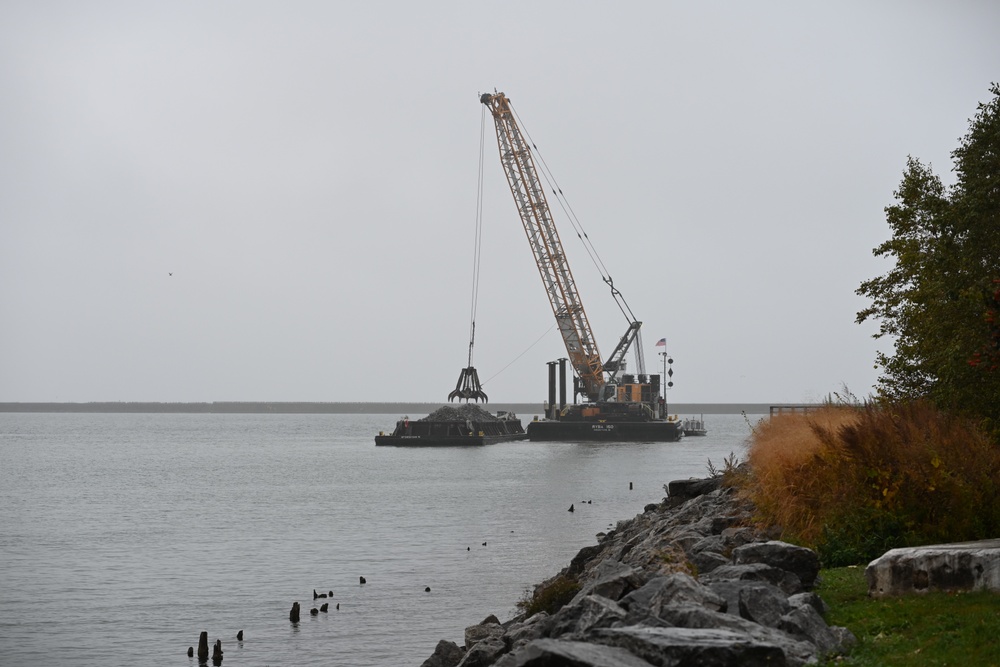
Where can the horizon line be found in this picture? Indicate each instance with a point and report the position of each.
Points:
(381, 407)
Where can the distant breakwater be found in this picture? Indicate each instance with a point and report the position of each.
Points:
(524, 410)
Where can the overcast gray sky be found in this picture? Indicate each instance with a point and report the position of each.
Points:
(307, 172)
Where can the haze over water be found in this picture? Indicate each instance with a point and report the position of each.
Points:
(123, 536)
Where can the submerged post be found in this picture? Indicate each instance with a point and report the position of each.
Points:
(203, 646)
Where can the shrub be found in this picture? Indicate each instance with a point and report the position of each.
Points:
(729, 472)
(550, 596)
(783, 482)
(860, 536)
(853, 482)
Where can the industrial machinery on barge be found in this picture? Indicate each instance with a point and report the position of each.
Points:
(616, 406)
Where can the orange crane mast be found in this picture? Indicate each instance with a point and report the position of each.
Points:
(532, 206)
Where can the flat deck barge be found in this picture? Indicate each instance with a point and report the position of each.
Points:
(465, 426)
(609, 431)
(607, 421)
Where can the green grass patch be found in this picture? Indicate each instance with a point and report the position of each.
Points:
(933, 629)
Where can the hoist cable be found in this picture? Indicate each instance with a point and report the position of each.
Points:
(581, 234)
(526, 350)
(477, 254)
(564, 204)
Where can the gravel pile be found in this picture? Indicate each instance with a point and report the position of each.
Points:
(462, 413)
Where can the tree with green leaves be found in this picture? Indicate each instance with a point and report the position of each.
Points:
(940, 302)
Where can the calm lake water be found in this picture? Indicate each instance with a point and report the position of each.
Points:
(123, 536)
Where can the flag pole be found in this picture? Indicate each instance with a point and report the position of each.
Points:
(663, 382)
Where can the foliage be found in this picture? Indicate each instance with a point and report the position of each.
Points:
(860, 536)
(780, 452)
(853, 482)
(674, 559)
(549, 597)
(750, 424)
(931, 629)
(940, 303)
(730, 471)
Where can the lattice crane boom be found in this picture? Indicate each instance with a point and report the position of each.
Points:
(533, 208)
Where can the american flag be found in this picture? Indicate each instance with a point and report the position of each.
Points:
(661, 343)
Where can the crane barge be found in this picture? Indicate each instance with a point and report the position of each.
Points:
(616, 406)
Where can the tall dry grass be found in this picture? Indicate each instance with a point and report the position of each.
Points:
(854, 481)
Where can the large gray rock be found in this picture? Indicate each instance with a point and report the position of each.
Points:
(811, 599)
(519, 634)
(845, 638)
(737, 536)
(673, 589)
(582, 616)
(670, 647)
(488, 628)
(484, 653)
(763, 604)
(706, 561)
(581, 559)
(805, 623)
(686, 541)
(800, 561)
(941, 567)
(783, 579)
(558, 653)
(711, 543)
(682, 490)
(612, 579)
(740, 603)
(797, 651)
(446, 654)
(721, 523)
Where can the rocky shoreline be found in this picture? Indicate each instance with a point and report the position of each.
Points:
(688, 581)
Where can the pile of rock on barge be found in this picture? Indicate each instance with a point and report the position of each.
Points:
(465, 425)
(687, 582)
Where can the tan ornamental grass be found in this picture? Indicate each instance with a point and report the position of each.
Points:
(877, 474)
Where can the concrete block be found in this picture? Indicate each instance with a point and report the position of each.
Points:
(965, 566)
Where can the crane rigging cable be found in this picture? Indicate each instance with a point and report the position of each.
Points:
(526, 350)
(564, 204)
(477, 254)
(468, 386)
(574, 221)
(588, 245)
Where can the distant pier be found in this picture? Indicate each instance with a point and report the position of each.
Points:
(776, 410)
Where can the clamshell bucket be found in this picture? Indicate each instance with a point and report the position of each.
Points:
(468, 387)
